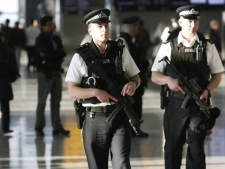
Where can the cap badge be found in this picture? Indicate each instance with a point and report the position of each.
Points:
(100, 15)
(191, 12)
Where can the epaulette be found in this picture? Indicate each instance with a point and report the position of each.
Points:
(210, 41)
(81, 47)
(168, 41)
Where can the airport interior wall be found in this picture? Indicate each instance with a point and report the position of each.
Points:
(72, 28)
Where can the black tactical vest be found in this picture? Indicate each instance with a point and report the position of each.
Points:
(108, 60)
(186, 61)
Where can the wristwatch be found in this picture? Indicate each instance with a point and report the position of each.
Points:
(209, 93)
(135, 81)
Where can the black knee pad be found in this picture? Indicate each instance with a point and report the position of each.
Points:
(201, 122)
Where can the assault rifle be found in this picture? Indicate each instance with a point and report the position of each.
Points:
(191, 89)
(123, 101)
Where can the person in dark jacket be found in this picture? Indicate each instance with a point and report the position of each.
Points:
(8, 74)
(214, 35)
(129, 30)
(7, 33)
(50, 55)
(19, 40)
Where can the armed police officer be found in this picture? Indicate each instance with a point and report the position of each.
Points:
(195, 58)
(101, 137)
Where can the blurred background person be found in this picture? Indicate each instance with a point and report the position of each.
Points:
(143, 39)
(32, 31)
(172, 30)
(8, 74)
(19, 40)
(7, 32)
(214, 35)
(129, 30)
(156, 38)
(50, 55)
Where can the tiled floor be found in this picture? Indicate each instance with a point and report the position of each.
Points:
(23, 150)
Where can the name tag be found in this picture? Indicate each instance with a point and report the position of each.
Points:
(189, 50)
(106, 61)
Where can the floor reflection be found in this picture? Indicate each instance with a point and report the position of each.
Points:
(23, 150)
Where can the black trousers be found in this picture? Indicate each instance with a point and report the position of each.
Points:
(137, 106)
(46, 86)
(5, 114)
(176, 124)
(31, 55)
(101, 138)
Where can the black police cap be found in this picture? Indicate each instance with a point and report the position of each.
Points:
(189, 12)
(97, 16)
(130, 21)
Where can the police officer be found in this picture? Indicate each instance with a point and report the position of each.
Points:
(183, 54)
(99, 136)
(129, 29)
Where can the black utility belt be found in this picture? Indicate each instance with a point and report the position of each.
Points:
(102, 109)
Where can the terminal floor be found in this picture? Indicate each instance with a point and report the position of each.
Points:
(23, 150)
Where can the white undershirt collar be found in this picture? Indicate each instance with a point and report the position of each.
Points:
(180, 39)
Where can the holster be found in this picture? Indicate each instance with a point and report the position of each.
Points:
(80, 113)
(164, 96)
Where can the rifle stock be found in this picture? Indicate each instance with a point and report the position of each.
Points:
(123, 102)
(191, 89)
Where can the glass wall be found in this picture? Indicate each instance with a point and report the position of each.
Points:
(9, 10)
(25, 10)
